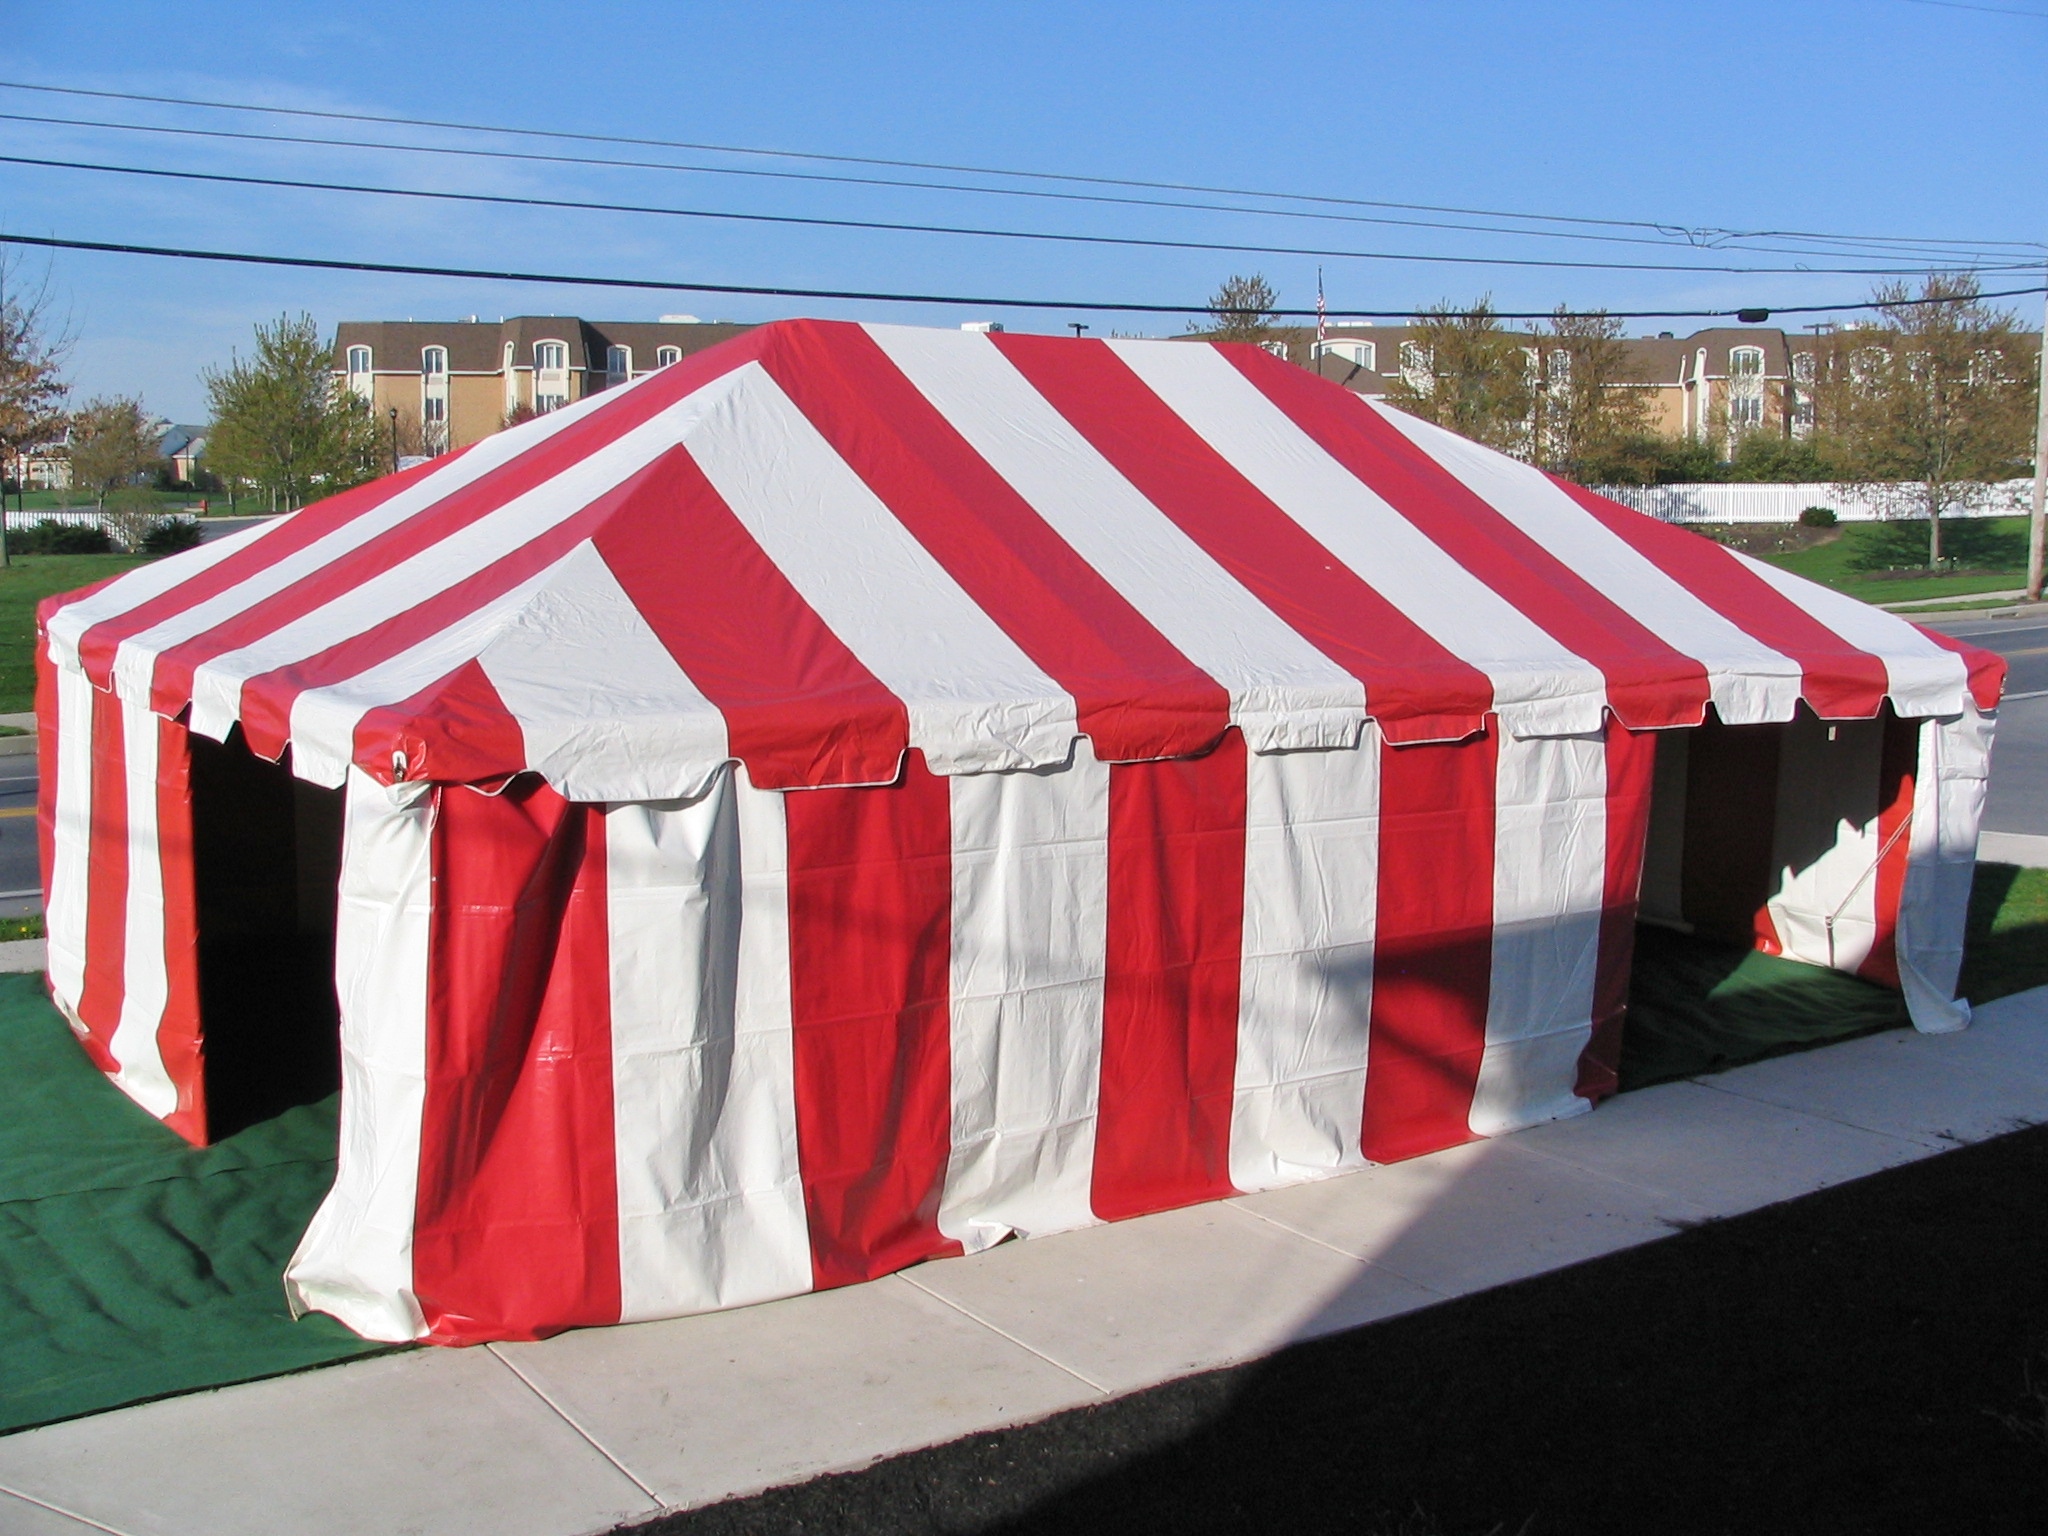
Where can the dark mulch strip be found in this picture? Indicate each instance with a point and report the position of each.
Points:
(1853, 1361)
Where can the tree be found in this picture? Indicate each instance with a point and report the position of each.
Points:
(1242, 309)
(112, 444)
(1936, 400)
(1462, 370)
(1586, 403)
(283, 422)
(32, 387)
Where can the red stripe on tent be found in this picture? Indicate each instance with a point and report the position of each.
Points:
(1648, 682)
(516, 1229)
(870, 938)
(96, 647)
(1731, 813)
(1433, 956)
(106, 885)
(1986, 668)
(1414, 686)
(1136, 695)
(180, 1040)
(1170, 987)
(800, 708)
(1840, 681)
(459, 509)
(1898, 767)
(1631, 768)
(454, 731)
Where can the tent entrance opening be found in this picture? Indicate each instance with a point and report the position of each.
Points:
(266, 864)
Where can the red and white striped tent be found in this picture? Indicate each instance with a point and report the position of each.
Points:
(863, 793)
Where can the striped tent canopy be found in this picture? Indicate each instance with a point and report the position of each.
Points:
(864, 793)
(821, 544)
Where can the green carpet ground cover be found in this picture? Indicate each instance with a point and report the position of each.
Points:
(132, 1265)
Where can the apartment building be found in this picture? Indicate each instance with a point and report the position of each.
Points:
(1713, 384)
(453, 382)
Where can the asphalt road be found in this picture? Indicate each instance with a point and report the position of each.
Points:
(2019, 765)
(2019, 759)
(19, 870)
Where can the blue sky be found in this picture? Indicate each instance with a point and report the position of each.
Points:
(1878, 117)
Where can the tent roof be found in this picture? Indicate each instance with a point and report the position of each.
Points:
(821, 543)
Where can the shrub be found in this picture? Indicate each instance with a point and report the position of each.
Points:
(52, 538)
(170, 536)
(1818, 517)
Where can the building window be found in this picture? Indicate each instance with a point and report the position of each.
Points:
(1418, 368)
(1277, 348)
(434, 410)
(664, 356)
(550, 376)
(1359, 354)
(434, 363)
(360, 376)
(1746, 363)
(1745, 411)
(618, 364)
(1802, 367)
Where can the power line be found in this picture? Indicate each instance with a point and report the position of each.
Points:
(1144, 242)
(1693, 235)
(665, 285)
(1989, 10)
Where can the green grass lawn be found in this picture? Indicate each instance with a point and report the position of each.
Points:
(2002, 541)
(26, 582)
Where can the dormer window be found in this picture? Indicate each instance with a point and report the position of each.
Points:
(665, 356)
(1746, 363)
(360, 377)
(434, 362)
(618, 364)
(550, 376)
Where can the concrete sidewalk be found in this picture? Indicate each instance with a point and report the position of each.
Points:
(591, 1428)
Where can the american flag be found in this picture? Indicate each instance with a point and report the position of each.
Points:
(1322, 319)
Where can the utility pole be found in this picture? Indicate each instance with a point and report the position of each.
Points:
(2035, 527)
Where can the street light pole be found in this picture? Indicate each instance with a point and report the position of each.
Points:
(2035, 527)
(394, 439)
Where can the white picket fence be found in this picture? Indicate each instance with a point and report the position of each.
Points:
(69, 517)
(1784, 503)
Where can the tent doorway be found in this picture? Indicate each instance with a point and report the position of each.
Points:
(1769, 892)
(266, 860)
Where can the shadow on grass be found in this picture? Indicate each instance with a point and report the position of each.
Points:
(2007, 948)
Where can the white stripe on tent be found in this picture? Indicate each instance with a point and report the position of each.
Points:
(1948, 808)
(145, 980)
(1925, 678)
(1029, 930)
(355, 1260)
(323, 720)
(976, 701)
(638, 728)
(135, 660)
(217, 683)
(1538, 685)
(1311, 881)
(1549, 881)
(1825, 842)
(134, 588)
(65, 908)
(1750, 683)
(711, 1208)
(1283, 691)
